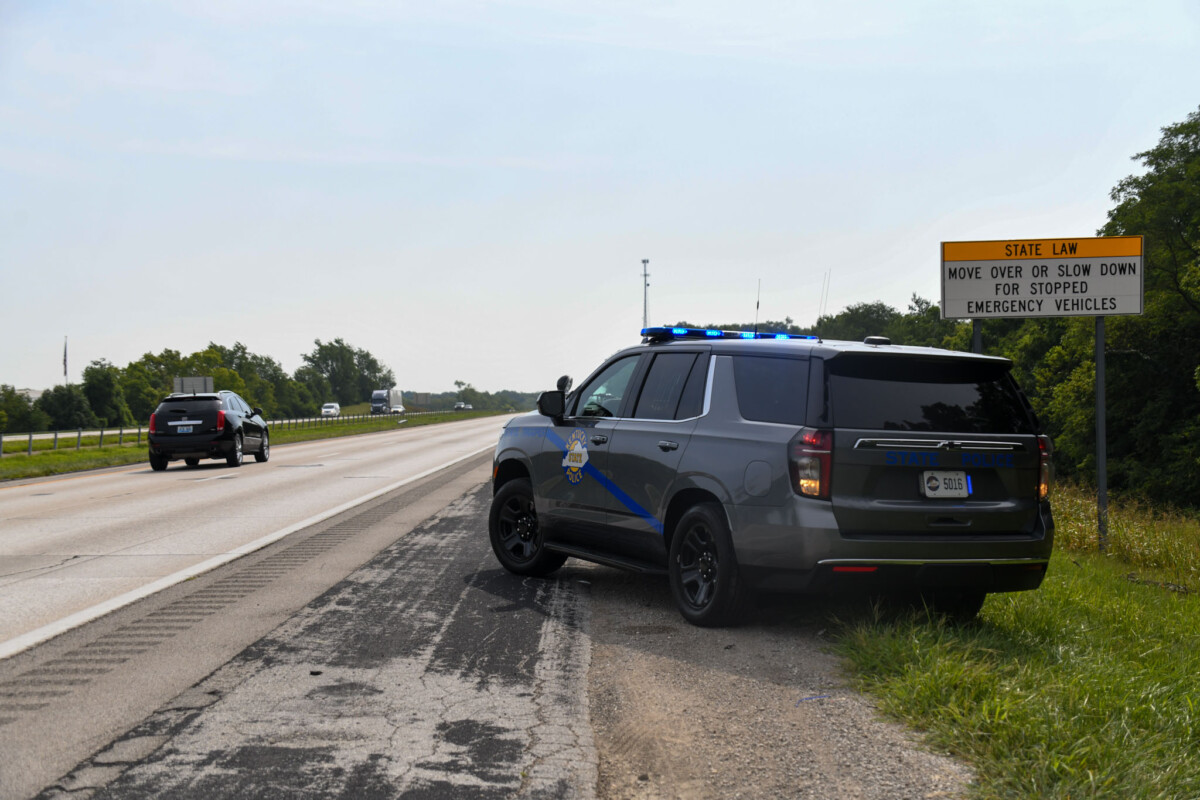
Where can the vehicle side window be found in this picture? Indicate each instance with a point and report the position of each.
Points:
(664, 385)
(603, 394)
(771, 389)
(692, 402)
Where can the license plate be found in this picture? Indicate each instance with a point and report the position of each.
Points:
(945, 483)
(184, 429)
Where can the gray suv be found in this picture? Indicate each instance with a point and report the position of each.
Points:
(737, 461)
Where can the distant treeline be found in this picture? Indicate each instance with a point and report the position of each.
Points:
(112, 396)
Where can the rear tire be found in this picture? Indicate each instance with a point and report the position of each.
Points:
(516, 538)
(703, 570)
(158, 461)
(234, 459)
(264, 452)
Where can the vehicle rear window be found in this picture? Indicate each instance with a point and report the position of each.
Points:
(188, 404)
(923, 394)
(771, 389)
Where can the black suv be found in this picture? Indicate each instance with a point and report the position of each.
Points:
(735, 461)
(216, 425)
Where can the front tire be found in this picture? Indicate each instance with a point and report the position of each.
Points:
(264, 452)
(703, 570)
(516, 538)
(158, 461)
(234, 459)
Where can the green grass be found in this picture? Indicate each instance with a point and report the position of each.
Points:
(54, 462)
(17, 444)
(1088, 687)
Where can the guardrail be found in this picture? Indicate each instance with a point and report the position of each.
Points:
(79, 438)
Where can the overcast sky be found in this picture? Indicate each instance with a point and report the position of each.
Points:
(467, 189)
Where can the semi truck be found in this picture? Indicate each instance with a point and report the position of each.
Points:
(387, 401)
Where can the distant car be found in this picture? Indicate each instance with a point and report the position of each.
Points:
(468, 407)
(331, 410)
(206, 425)
(459, 406)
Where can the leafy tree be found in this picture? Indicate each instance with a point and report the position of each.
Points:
(1163, 204)
(923, 326)
(67, 407)
(351, 374)
(314, 386)
(142, 392)
(335, 362)
(162, 369)
(858, 322)
(20, 414)
(102, 387)
(1153, 360)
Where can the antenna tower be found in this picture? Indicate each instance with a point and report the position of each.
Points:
(645, 293)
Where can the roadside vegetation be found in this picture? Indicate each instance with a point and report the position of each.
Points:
(90, 456)
(1087, 687)
(115, 398)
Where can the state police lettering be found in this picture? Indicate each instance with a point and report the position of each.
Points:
(910, 458)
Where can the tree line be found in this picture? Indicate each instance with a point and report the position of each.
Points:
(112, 396)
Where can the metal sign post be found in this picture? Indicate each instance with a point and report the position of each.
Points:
(1101, 442)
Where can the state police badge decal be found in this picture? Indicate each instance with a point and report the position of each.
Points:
(575, 458)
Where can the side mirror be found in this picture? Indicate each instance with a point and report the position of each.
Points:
(564, 384)
(256, 411)
(552, 404)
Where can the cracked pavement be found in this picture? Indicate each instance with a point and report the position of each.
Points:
(427, 673)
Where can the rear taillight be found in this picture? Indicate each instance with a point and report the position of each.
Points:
(1045, 466)
(220, 420)
(153, 429)
(810, 461)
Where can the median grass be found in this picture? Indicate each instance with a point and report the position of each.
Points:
(53, 462)
(1086, 688)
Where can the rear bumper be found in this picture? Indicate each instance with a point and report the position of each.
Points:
(802, 550)
(192, 447)
(882, 576)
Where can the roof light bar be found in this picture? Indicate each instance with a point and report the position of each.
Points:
(665, 333)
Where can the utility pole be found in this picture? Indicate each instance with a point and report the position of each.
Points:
(645, 293)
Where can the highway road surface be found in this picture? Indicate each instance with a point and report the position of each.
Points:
(72, 548)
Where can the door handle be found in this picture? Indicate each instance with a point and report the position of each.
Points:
(599, 439)
(666, 446)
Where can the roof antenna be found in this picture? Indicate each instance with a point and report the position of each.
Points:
(757, 300)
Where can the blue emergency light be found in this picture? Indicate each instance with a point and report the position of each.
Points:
(665, 333)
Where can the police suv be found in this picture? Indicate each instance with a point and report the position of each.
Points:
(736, 461)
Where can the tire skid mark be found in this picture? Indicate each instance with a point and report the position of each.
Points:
(426, 673)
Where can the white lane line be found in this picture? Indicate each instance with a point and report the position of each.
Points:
(39, 635)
